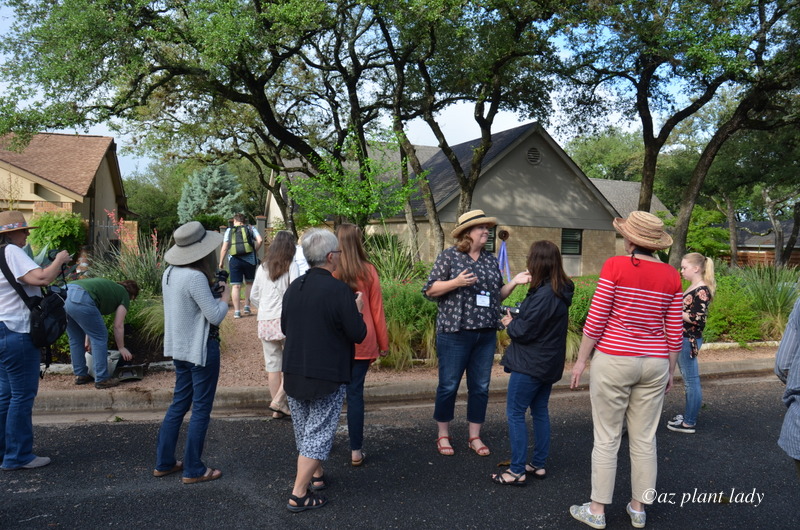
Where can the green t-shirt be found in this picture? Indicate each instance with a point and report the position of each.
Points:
(106, 294)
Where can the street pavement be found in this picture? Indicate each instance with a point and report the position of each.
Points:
(101, 475)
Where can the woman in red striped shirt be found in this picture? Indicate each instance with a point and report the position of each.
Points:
(634, 328)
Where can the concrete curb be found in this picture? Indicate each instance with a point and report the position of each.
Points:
(237, 399)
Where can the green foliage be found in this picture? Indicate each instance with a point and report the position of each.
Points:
(393, 258)
(731, 315)
(211, 221)
(772, 291)
(356, 191)
(612, 154)
(585, 286)
(145, 266)
(211, 190)
(705, 234)
(411, 321)
(146, 315)
(58, 230)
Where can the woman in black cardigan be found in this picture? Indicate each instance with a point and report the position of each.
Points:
(535, 359)
(322, 322)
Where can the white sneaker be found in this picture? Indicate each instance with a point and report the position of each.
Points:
(39, 461)
(677, 420)
(237, 314)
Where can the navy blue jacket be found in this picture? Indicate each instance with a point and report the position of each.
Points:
(539, 334)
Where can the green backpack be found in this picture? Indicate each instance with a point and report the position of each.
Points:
(241, 240)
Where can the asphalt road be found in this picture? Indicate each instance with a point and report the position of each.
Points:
(101, 473)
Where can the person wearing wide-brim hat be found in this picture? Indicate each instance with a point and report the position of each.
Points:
(19, 358)
(467, 285)
(635, 329)
(191, 337)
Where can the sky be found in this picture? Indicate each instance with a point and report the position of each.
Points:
(456, 122)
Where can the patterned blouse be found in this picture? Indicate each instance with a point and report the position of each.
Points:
(695, 302)
(459, 308)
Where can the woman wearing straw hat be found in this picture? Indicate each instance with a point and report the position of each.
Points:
(191, 338)
(19, 358)
(635, 329)
(466, 283)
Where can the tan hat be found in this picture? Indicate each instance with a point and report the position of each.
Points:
(192, 242)
(644, 230)
(11, 221)
(470, 219)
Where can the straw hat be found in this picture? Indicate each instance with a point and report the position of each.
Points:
(11, 221)
(192, 242)
(470, 219)
(644, 230)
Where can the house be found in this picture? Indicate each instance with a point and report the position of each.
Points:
(755, 241)
(535, 191)
(75, 173)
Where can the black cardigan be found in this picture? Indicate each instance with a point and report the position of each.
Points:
(322, 324)
(539, 334)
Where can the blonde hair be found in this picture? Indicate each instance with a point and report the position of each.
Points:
(706, 269)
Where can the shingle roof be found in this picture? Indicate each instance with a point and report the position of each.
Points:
(624, 196)
(748, 234)
(67, 160)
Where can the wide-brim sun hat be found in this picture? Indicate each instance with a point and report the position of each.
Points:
(470, 219)
(644, 230)
(12, 220)
(192, 242)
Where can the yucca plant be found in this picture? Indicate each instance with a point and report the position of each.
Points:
(773, 292)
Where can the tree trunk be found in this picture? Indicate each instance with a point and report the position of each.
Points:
(790, 243)
(651, 150)
(777, 228)
(730, 214)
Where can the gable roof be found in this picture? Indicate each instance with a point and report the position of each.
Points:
(624, 196)
(442, 178)
(69, 161)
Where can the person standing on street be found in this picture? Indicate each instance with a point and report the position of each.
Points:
(787, 368)
(242, 242)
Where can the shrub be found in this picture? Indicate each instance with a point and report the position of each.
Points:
(393, 258)
(58, 230)
(411, 321)
(145, 266)
(773, 292)
(731, 315)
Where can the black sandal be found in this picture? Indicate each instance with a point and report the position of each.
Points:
(309, 501)
(318, 483)
(533, 472)
(498, 478)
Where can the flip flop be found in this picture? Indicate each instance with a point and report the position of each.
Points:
(174, 469)
(356, 463)
(210, 474)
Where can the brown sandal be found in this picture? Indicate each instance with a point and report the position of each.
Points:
(174, 469)
(210, 474)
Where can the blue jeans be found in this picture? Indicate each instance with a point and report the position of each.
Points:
(19, 384)
(466, 350)
(691, 382)
(355, 403)
(525, 392)
(195, 387)
(84, 318)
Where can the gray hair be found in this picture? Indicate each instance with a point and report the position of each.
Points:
(317, 244)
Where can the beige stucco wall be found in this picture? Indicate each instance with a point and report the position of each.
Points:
(27, 197)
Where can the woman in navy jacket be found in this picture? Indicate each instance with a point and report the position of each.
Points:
(535, 359)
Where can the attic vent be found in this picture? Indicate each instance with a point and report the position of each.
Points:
(534, 156)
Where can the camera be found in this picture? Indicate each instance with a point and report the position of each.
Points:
(514, 309)
(221, 276)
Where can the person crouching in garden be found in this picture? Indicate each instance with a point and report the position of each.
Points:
(535, 358)
(192, 315)
(87, 301)
(322, 321)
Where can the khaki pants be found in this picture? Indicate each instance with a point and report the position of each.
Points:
(632, 389)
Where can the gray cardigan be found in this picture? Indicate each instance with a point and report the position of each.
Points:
(189, 310)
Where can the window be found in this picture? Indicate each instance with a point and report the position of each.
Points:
(571, 241)
(491, 243)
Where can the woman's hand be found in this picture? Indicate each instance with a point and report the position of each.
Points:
(522, 278)
(669, 383)
(127, 355)
(577, 372)
(507, 318)
(466, 278)
(360, 301)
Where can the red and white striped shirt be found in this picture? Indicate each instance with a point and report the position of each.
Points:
(636, 310)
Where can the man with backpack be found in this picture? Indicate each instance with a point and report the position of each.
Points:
(242, 242)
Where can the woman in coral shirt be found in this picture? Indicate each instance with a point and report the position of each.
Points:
(356, 271)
